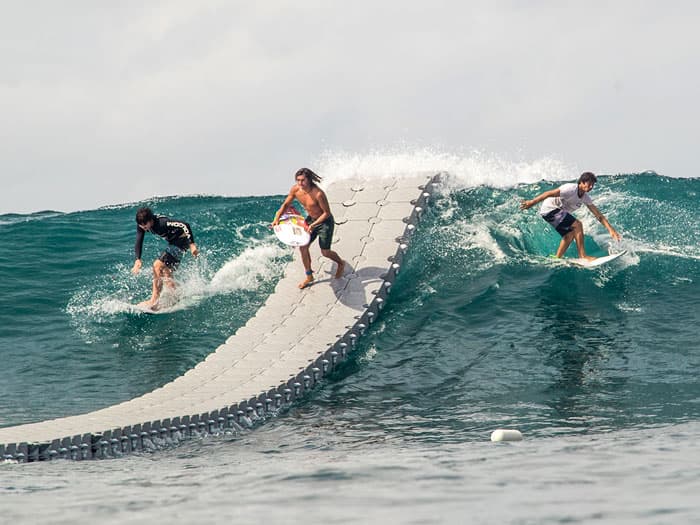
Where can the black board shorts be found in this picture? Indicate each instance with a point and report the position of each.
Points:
(323, 231)
(560, 220)
(171, 256)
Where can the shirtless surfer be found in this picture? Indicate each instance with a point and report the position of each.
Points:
(180, 239)
(319, 222)
(558, 205)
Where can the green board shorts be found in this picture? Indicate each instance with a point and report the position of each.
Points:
(323, 231)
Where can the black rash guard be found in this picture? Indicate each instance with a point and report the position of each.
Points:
(177, 233)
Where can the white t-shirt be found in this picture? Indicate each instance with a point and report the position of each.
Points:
(568, 200)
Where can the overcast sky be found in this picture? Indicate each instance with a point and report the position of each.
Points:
(106, 102)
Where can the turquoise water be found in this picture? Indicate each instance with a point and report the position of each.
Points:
(597, 368)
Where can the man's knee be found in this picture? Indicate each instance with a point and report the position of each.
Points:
(159, 267)
(326, 252)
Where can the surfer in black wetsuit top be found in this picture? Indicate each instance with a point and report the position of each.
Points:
(180, 239)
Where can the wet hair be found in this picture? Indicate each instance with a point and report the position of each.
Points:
(587, 177)
(310, 176)
(144, 215)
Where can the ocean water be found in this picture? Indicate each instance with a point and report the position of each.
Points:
(597, 368)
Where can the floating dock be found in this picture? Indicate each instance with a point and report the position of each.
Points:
(294, 340)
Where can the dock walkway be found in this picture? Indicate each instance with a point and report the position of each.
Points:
(293, 340)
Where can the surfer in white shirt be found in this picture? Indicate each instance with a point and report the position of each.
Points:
(558, 205)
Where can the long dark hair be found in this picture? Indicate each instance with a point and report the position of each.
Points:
(310, 176)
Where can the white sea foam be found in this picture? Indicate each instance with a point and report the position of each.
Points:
(465, 169)
(246, 271)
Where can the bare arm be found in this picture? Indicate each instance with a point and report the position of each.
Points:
(524, 205)
(601, 218)
(287, 202)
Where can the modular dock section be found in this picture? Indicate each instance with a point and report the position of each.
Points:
(292, 342)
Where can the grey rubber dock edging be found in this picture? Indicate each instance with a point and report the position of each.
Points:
(293, 341)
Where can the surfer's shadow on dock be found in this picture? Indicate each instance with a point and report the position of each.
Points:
(352, 289)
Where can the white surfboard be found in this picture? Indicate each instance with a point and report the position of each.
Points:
(291, 229)
(144, 310)
(137, 308)
(596, 262)
(169, 302)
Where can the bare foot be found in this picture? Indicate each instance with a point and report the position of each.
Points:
(148, 305)
(339, 271)
(306, 282)
(589, 257)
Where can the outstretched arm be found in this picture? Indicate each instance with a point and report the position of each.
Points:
(524, 205)
(601, 218)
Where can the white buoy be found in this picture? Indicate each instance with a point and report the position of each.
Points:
(504, 434)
